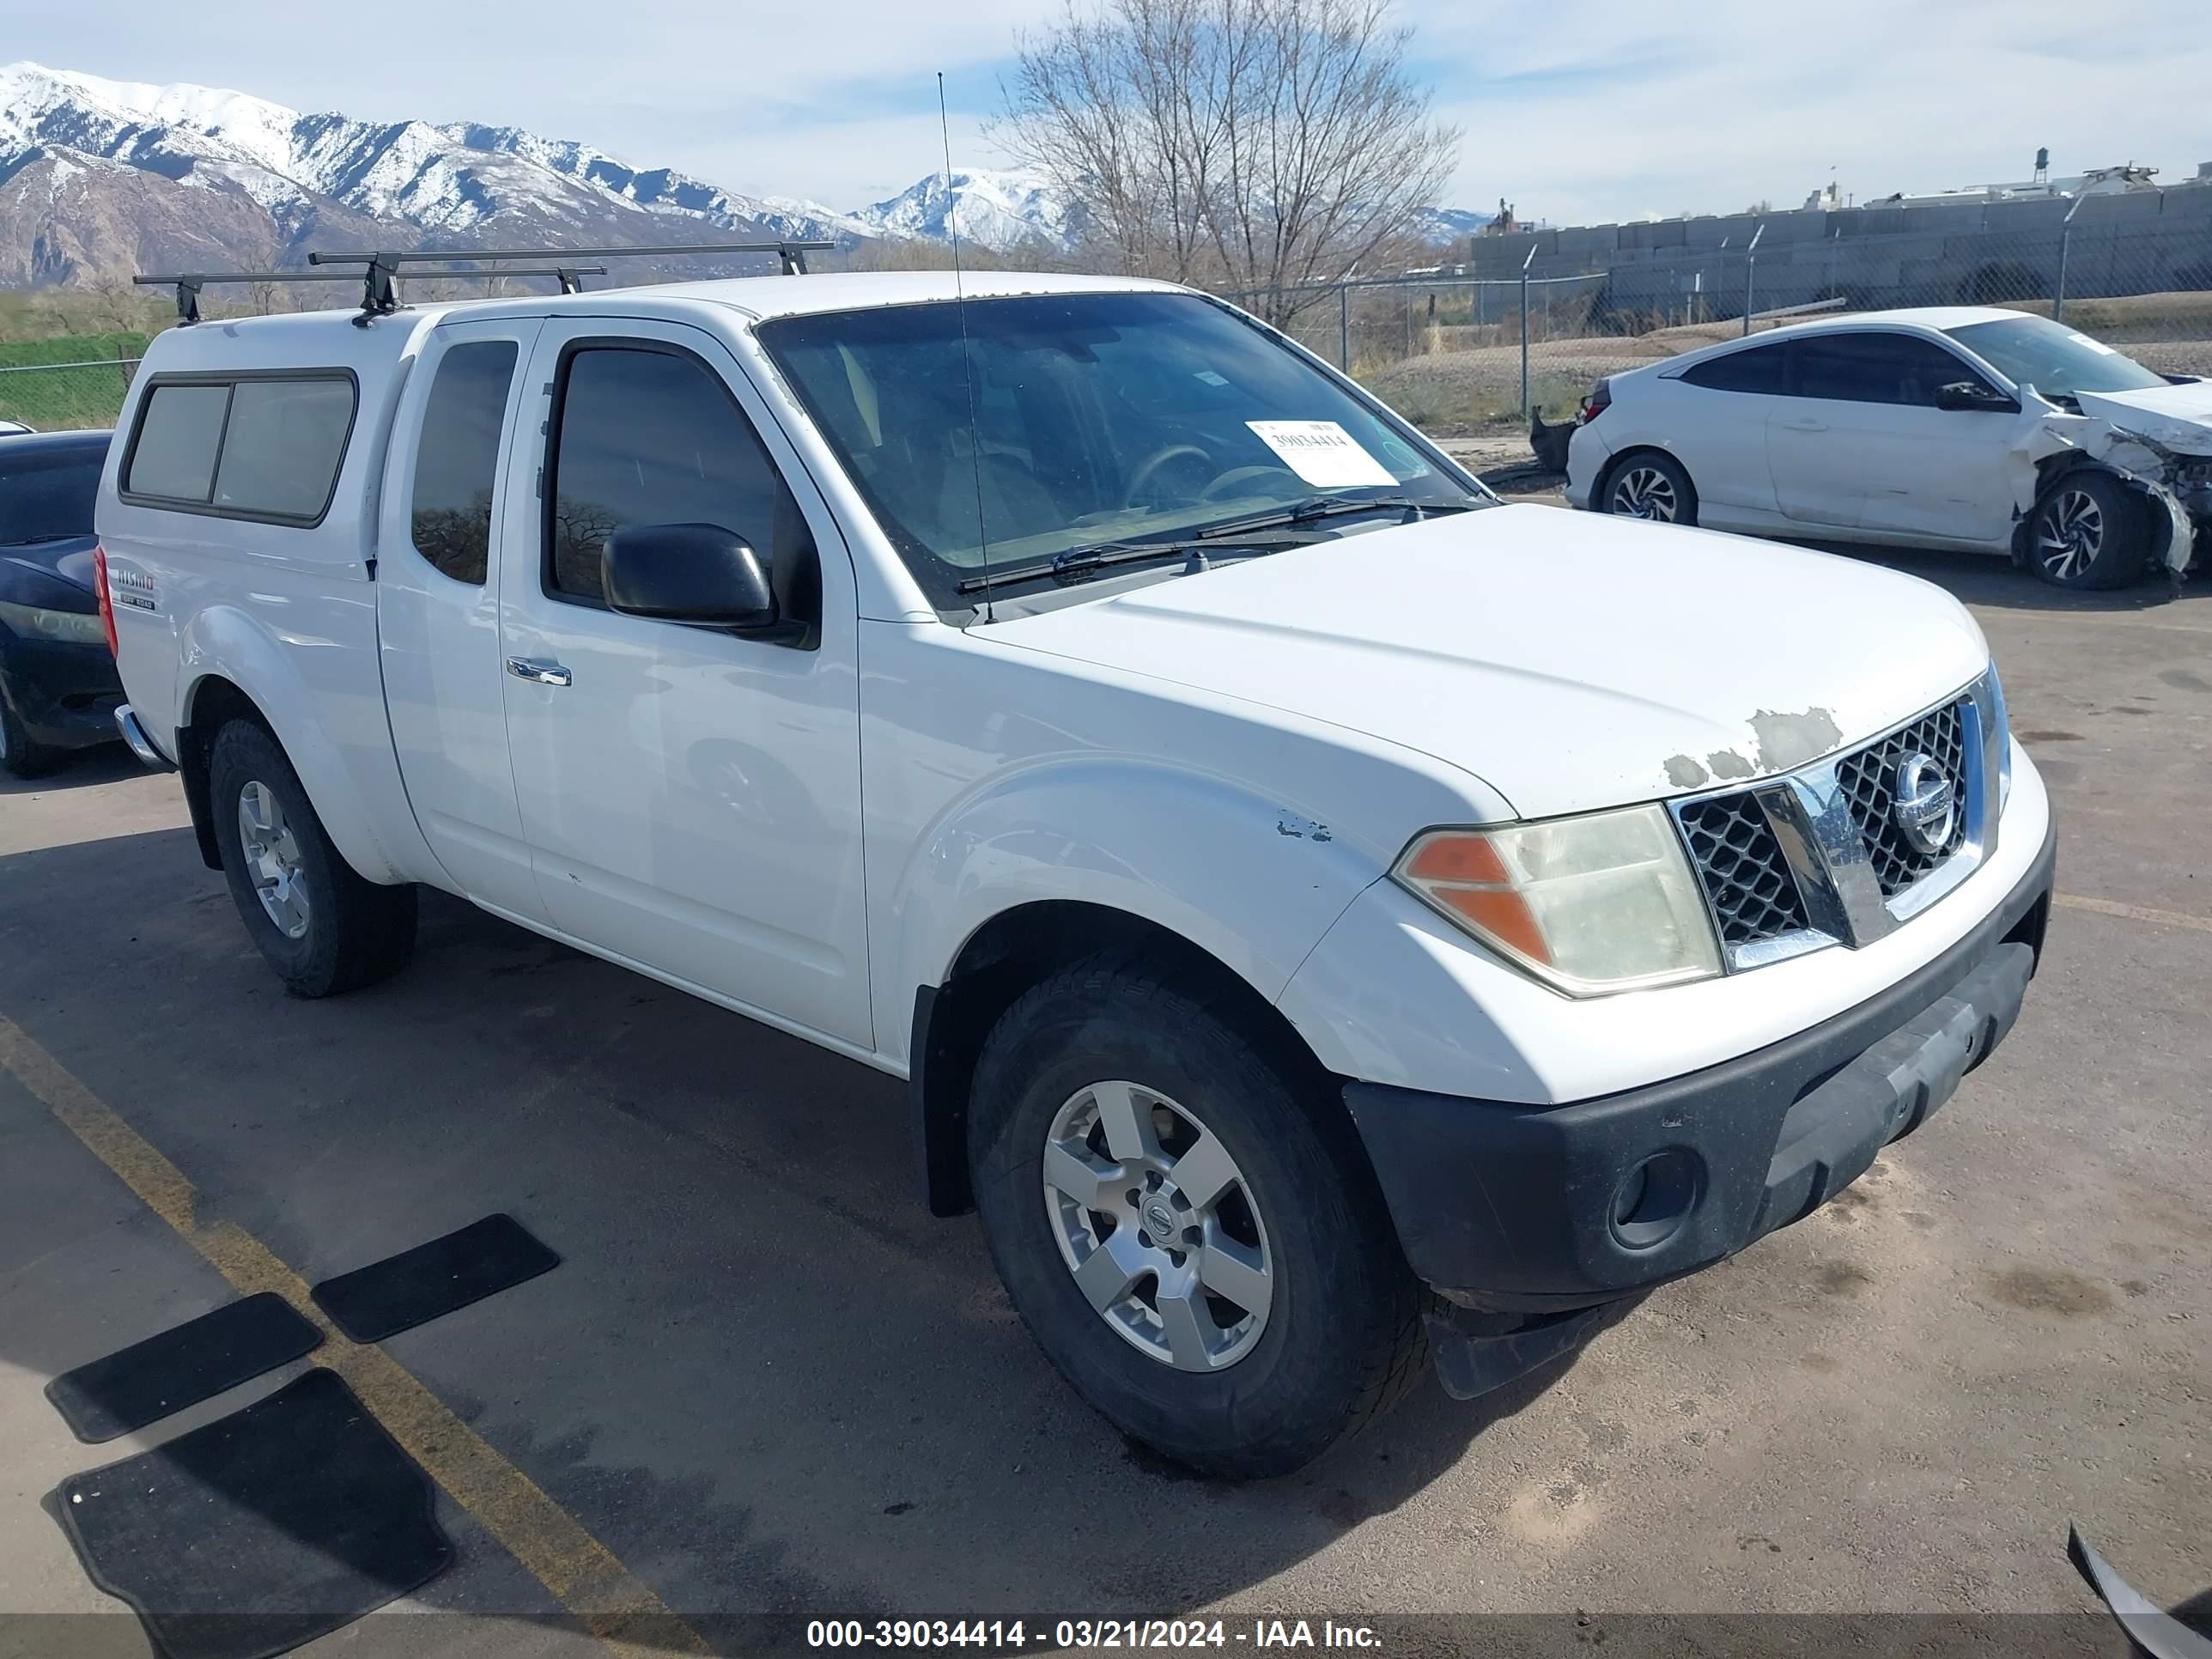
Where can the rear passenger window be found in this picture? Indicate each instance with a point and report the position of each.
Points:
(282, 449)
(261, 446)
(1758, 369)
(456, 457)
(178, 437)
(654, 437)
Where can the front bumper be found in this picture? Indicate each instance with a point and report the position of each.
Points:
(64, 694)
(1520, 1214)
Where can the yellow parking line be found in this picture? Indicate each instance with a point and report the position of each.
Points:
(583, 1574)
(2133, 912)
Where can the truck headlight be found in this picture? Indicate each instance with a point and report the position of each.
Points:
(1587, 905)
(68, 626)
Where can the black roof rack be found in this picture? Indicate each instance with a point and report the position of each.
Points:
(379, 292)
(188, 285)
(380, 296)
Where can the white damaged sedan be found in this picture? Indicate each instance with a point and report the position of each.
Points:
(1958, 426)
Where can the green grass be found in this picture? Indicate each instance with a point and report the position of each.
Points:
(72, 349)
(60, 399)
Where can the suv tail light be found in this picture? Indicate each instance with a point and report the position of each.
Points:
(106, 604)
(1598, 401)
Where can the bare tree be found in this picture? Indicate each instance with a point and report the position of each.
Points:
(117, 307)
(1253, 145)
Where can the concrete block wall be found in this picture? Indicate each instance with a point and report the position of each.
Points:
(2146, 242)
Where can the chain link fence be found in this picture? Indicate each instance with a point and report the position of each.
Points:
(1456, 352)
(1462, 351)
(65, 397)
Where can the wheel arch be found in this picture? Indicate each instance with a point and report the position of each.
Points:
(279, 704)
(1018, 948)
(326, 711)
(210, 703)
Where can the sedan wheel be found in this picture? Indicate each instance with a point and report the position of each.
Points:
(2070, 535)
(2090, 531)
(1153, 1219)
(1642, 491)
(19, 756)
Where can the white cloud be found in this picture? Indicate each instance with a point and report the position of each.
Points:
(1603, 109)
(1614, 109)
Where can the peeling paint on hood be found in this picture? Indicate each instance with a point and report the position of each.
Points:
(1786, 742)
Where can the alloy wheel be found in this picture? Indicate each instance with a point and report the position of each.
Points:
(1645, 492)
(272, 858)
(1157, 1224)
(2070, 534)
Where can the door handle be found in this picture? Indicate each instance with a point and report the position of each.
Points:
(539, 671)
(1804, 426)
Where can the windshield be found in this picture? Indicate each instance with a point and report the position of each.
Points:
(1099, 418)
(44, 492)
(2053, 358)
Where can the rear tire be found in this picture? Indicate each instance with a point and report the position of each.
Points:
(1648, 484)
(320, 926)
(2089, 532)
(1285, 1197)
(21, 756)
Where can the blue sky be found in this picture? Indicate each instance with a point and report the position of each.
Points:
(1598, 110)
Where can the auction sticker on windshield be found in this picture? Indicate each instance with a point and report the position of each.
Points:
(1322, 453)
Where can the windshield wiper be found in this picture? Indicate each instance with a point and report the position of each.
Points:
(1331, 506)
(1079, 562)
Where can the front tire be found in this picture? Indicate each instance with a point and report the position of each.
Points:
(21, 756)
(1187, 1225)
(319, 924)
(1646, 484)
(2089, 532)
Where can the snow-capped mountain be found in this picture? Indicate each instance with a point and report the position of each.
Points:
(1450, 224)
(450, 184)
(99, 177)
(1001, 210)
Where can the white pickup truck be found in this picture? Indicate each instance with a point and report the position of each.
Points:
(1325, 916)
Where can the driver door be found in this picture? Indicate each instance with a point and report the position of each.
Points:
(691, 800)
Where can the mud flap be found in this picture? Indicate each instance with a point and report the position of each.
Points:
(1470, 1365)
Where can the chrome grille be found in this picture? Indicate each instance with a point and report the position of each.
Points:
(1869, 778)
(1816, 857)
(1746, 880)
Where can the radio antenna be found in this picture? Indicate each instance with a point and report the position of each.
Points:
(967, 361)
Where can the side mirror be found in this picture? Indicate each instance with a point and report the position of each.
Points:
(692, 573)
(1973, 396)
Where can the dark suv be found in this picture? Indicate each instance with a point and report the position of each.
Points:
(57, 685)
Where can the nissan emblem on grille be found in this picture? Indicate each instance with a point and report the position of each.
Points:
(1926, 807)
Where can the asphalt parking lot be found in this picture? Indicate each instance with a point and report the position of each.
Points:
(764, 1381)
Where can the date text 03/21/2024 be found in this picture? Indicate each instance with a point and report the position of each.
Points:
(1010, 1634)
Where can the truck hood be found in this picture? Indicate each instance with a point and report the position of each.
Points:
(2178, 416)
(1569, 661)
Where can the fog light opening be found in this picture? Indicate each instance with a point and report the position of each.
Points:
(1655, 1198)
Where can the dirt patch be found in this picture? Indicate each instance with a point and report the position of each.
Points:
(2049, 1290)
(1841, 1279)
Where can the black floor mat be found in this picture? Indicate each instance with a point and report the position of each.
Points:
(182, 1366)
(403, 1291)
(275, 1525)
